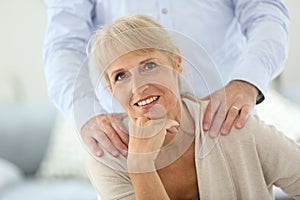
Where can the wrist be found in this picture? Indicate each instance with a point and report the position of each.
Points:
(258, 96)
(141, 162)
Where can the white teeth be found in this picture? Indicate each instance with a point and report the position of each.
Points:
(147, 101)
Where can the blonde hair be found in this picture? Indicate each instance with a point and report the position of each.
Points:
(138, 33)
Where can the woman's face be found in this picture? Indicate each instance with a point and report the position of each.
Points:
(146, 85)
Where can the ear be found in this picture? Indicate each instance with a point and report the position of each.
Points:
(178, 60)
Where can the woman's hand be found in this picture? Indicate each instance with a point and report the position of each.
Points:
(148, 135)
(229, 105)
(146, 139)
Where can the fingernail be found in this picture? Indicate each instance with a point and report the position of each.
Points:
(205, 127)
(238, 125)
(224, 131)
(115, 153)
(124, 152)
(174, 130)
(99, 154)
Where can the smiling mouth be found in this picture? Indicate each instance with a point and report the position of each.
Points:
(147, 101)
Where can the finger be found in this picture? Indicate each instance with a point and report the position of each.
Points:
(172, 127)
(171, 123)
(123, 135)
(232, 114)
(105, 142)
(115, 139)
(217, 122)
(172, 131)
(121, 116)
(208, 116)
(243, 117)
(147, 129)
(118, 118)
(121, 130)
(93, 147)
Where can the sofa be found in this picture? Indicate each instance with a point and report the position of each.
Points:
(33, 164)
(42, 156)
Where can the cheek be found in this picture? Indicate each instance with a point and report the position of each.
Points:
(173, 89)
(172, 100)
(123, 96)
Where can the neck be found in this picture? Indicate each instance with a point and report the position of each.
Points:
(183, 117)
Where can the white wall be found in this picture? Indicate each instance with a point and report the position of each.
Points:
(290, 78)
(22, 30)
(21, 41)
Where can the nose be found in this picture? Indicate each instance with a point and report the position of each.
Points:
(138, 82)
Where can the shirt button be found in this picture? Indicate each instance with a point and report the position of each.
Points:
(164, 11)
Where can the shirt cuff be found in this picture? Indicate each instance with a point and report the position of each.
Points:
(260, 97)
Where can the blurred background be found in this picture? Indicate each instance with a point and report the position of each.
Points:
(40, 156)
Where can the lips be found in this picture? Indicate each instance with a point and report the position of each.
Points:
(147, 101)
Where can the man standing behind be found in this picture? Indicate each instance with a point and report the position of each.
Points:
(247, 39)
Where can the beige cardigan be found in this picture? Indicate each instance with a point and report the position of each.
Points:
(243, 165)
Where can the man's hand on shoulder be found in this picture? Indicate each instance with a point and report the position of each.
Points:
(229, 106)
(107, 130)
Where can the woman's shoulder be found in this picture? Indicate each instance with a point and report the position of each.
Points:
(265, 137)
(113, 174)
(193, 101)
(253, 125)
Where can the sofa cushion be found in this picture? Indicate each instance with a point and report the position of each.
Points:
(65, 156)
(9, 174)
(50, 190)
(24, 133)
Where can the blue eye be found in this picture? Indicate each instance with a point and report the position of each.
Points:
(149, 66)
(121, 76)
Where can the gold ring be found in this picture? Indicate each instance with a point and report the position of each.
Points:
(235, 108)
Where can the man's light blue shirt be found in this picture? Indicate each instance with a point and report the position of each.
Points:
(247, 40)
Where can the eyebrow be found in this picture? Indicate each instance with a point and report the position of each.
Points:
(140, 63)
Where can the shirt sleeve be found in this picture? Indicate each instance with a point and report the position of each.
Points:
(108, 182)
(69, 27)
(264, 23)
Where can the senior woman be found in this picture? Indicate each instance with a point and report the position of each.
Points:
(170, 156)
